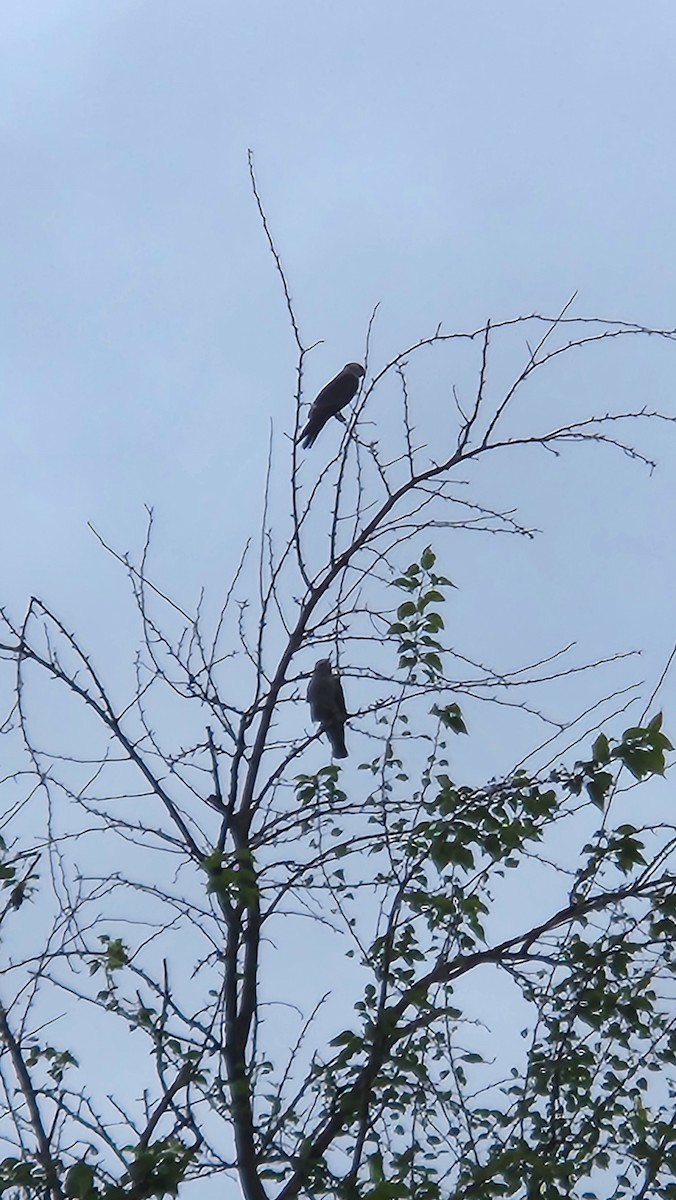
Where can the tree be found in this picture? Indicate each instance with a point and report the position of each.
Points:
(169, 867)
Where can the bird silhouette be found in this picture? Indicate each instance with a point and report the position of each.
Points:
(332, 398)
(327, 705)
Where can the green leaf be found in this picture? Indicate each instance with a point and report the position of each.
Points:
(433, 661)
(376, 1172)
(451, 717)
(444, 853)
(601, 749)
(598, 787)
(431, 597)
(346, 1038)
(79, 1181)
(407, 609)
(434, 622)
(116, 954)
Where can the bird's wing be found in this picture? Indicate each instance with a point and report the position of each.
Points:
(336, 394)
(339, 699)
(316, 698)
(326, 699)
(332, 398)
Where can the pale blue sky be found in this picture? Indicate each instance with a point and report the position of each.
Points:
(452, 161)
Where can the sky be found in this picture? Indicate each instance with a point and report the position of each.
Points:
(449, 161)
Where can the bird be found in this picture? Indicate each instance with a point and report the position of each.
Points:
(332, 398)
(327, 705)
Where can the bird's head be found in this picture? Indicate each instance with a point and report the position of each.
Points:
(355, 369)
(323, 666)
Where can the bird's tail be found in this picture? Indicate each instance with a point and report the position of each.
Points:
(336, 736)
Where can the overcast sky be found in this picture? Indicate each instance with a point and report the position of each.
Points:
(452, 161)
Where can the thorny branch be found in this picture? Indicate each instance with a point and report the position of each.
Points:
(226, 810)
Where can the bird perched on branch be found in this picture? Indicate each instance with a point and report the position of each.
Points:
(327, 705)
(332, 398)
